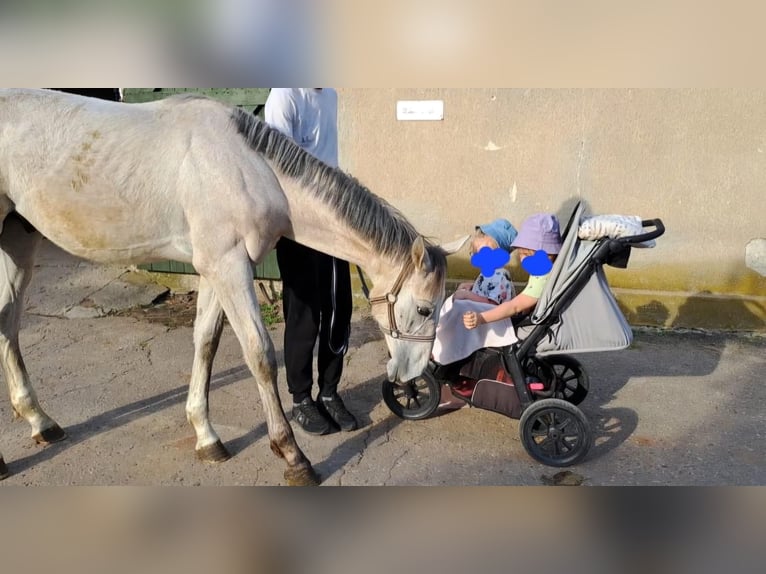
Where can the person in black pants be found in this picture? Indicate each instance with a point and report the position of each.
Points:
(316, 288)
(316, 298)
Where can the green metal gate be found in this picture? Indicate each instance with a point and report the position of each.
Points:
(250, 99)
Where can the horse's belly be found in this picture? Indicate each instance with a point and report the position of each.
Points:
(104, 231)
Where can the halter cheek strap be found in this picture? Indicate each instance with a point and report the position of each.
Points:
(390, 299)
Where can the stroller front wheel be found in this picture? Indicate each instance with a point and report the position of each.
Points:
(555, 433)
(414, 400)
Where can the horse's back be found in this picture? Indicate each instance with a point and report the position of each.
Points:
(122, 182)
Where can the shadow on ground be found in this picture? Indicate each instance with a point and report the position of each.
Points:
(119, 417)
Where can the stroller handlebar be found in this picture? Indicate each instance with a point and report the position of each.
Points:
(658, 232)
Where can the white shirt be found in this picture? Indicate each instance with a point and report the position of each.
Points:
(309, 116)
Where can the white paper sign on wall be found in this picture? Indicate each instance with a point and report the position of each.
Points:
(424, 110)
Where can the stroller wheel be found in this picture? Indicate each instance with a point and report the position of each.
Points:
(571, 382)
(555, 433)
(415, 400)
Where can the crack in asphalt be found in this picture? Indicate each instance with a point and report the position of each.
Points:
(388, 435)
(393, 465)
(88, 386)
(67, 309)
(359, 457)
(72, 341)
(28, 348)
(89, 295)
(46, 316)
(117, 376)
(144, 346)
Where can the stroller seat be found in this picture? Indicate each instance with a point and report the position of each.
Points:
(577, 312)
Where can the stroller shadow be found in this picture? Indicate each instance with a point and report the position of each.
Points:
(654, 354)
(611, 427)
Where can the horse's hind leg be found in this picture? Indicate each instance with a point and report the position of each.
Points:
(18, 247)
(231, 277)
(207, 334)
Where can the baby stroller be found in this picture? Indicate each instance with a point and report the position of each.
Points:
(535, 380)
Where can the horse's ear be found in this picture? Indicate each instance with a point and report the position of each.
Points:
(420, 255)
(455, 246)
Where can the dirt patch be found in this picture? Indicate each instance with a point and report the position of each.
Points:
(565, 478)
(173, 311)
(644, 441)
(180, 310)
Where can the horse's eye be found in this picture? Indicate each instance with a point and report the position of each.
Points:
(425, 311)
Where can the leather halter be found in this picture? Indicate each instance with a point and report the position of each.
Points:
(390, 299)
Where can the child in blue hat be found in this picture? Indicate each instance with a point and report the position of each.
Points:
(498, 288)
(453, 343)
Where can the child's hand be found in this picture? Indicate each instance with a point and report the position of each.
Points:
(471, 320)
(461, 294)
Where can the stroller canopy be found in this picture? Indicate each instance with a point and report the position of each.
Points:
(587, 321)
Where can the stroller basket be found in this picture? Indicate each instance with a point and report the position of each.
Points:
(494, 391)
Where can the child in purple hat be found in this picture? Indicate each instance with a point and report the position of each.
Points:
(538, 233)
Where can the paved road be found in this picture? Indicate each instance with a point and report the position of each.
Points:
(676, 409)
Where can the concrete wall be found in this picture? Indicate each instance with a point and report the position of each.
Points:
(695, 158)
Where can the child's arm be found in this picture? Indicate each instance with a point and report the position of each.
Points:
(519, 304)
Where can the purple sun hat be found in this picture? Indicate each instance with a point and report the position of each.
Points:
(540, 233)
(502, 231)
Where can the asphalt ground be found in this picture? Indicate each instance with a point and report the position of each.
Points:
(677, 408)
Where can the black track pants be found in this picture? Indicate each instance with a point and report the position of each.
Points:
(317, 305)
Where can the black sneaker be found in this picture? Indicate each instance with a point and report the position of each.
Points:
(334, 408)
(307, 415)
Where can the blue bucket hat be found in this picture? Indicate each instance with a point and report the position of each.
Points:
(502, 231)
(540, 233)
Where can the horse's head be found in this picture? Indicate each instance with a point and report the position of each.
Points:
(406, 304)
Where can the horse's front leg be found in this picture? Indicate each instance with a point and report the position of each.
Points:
(208, 326)
(231, 276)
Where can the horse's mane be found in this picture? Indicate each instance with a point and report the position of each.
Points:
(371, 216)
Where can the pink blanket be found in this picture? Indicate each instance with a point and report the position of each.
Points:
(454, 342)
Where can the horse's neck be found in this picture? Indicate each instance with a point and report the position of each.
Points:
(316, 225)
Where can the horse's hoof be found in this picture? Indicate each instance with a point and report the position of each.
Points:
(3, 470)
(302, 476)
(214, 453)
(51, 435)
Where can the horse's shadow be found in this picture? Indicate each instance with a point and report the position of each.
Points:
(121, 416)
(124, 415)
